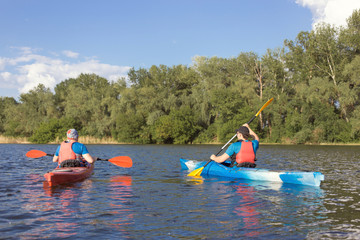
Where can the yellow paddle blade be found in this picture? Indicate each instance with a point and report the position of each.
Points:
(264, 106)
(196, 172)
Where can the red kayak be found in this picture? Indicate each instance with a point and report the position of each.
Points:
(74, 174)
(68, 174)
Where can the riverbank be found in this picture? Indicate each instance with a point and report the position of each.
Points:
(93, 140)
(85, 140)
(12, 140)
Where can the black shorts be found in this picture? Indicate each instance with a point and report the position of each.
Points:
(246, 165)
(72, 163)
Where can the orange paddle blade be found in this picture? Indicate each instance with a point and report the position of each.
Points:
(35, 154)
(121, 161)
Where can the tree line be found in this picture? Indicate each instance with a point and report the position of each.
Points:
(314, 80)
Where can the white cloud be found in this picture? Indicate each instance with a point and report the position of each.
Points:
(70, 54)
(28, 70)
(334, 12)
(6, 76)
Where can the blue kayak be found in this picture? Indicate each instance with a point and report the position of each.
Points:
(217, 169)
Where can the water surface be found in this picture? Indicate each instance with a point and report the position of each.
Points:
(156, 200)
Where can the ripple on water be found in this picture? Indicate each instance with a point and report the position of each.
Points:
(157, 200)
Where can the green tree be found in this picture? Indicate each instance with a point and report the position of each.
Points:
(179, 127)
(34, 108)
(351, 34)
(351, 99)
(88, 99)
(53, 129)
(7, 105)
(130, 128)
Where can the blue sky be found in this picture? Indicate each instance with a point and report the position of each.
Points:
(49, 41)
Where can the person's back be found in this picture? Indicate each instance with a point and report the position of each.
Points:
(246, 156)
(71, 153)
(244, 150)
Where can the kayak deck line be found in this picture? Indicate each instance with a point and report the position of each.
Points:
(61, 170)
(258, 174)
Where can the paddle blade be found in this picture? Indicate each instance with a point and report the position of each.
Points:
(196, 172)
(35, 154)
(122, 161)
(264, 106)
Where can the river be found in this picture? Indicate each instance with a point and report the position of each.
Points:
(155, 199)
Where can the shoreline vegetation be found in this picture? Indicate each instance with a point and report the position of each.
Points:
(313, 79)
(104, 141)
(85, 140)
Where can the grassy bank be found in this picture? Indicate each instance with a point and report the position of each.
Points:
(108, 140)
(13, 140)
(85, 140)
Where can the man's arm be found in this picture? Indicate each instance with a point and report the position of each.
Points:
(252, 133)
(88, 158)
(219, 159)
(55, 158)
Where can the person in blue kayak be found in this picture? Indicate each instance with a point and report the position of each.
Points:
(71, 153)
(243, 150)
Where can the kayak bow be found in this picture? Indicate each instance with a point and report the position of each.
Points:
(217, 169)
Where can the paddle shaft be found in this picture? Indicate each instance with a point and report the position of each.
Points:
(121, 161)
(252, 119)
(222, 148)
(97, 159)
(100, 159)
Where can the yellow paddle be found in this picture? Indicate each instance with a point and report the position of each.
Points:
(198, 171)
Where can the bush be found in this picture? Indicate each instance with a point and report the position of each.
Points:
(129, 128)
(50, 130)
(207, 135)
(178, 127)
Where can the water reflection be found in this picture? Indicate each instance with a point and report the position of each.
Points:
(194, 180)
(67, 200)
(121, 181)
(64, 210)
(159, 202)
(255, 209)
(247, 209)
(120, 195)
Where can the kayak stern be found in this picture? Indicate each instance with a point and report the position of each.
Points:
(68, 175)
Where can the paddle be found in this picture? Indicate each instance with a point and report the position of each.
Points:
(37, 154)
(198, 171)
(121, 161)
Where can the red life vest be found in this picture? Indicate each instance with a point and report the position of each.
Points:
(66, 152)
(246, 153)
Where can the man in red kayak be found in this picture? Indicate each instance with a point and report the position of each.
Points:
(71, 153)
(244, 149)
